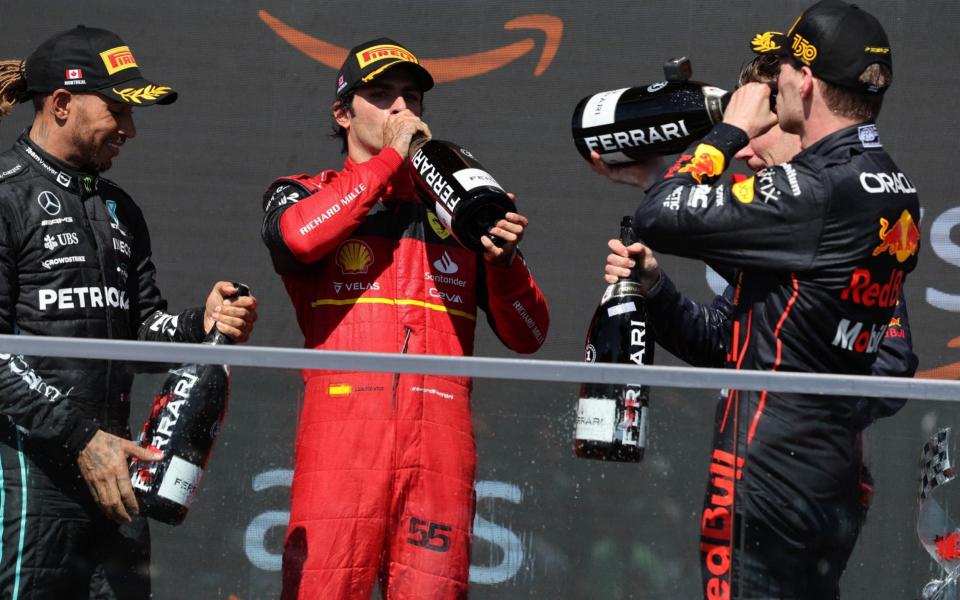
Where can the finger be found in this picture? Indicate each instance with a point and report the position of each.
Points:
(517, 218)
(505, 225)
(131, 449)
(618, 248)
(225, 288)
(489, 247)
(620, 263)
(128, 497)
(111, 504)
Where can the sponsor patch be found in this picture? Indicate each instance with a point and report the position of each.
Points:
(354, 257)
(383, 51)
(743, 190)
(49, 202)
(117, 59)
(902, 239)
(869, 136)
(707, 162)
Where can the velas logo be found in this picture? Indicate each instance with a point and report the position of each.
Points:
(902, 239)
(443, 70)
(354, 257)
(118, 59)
(372, 55)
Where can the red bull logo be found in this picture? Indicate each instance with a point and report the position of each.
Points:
(902, 239)
(707, 162)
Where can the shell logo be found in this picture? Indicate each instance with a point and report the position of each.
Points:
(354, 257)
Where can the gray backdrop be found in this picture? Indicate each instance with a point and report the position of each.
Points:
(252, 108)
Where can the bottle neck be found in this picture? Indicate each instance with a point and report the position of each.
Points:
(216, 337)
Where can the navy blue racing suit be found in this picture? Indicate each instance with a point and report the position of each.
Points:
(821, 246)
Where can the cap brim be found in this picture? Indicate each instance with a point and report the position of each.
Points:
(422, 75)
(773, 43)
(140, 92)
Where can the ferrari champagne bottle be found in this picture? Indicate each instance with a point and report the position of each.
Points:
(612, 419)
(183, 425)
(629, 124)
(464, 196)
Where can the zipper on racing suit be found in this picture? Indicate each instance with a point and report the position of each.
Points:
(396, 376)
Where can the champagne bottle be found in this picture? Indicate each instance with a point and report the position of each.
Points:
(183, 424)
(465, 197)
(612, 419)
(629, 124)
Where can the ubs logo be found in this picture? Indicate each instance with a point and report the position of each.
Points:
(49, 202)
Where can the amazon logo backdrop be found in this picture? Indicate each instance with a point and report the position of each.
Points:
(256, 79)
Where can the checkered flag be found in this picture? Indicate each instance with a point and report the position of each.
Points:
(935, 466)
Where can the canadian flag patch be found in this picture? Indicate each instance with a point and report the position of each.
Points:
(74, 74)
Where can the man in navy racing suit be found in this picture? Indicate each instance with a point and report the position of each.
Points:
(820, 246)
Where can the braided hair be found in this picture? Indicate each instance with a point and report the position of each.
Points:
(13, 84)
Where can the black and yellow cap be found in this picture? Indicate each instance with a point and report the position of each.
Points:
(836, 40)
(87, 59)
(369, 60)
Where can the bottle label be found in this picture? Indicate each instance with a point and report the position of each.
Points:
(444, 216)
(473, 178)
(596, 419)
(180, 481)
(619, 309)
(601, 109)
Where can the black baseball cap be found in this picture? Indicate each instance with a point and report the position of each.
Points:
(369, 60)
(87, 59)
(836, 40)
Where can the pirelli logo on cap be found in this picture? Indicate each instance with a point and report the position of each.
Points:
(372, 55)
(118, 59)
(876, 50)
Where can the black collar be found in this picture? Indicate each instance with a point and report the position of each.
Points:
(70, 178)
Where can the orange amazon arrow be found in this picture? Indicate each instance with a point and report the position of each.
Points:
(951, 371)
(442, 69)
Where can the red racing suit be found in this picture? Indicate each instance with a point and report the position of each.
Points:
(383, 480)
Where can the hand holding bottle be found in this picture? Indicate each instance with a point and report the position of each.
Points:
(400, 129)
(750, 109)
(636, 259)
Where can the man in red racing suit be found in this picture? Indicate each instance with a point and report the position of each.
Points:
(383, 480)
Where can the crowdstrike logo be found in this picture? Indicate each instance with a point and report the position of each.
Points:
(445, 264)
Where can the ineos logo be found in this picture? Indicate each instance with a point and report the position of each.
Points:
(49, 202)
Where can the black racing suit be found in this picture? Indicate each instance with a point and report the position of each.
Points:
(822, 244)
(75, 262)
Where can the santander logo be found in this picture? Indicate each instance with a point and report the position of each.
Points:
(446, 69)
(445, 264)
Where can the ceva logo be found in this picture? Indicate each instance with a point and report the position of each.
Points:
(443, 69)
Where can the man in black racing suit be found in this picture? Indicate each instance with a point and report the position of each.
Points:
(820, 247)
(75, 261)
